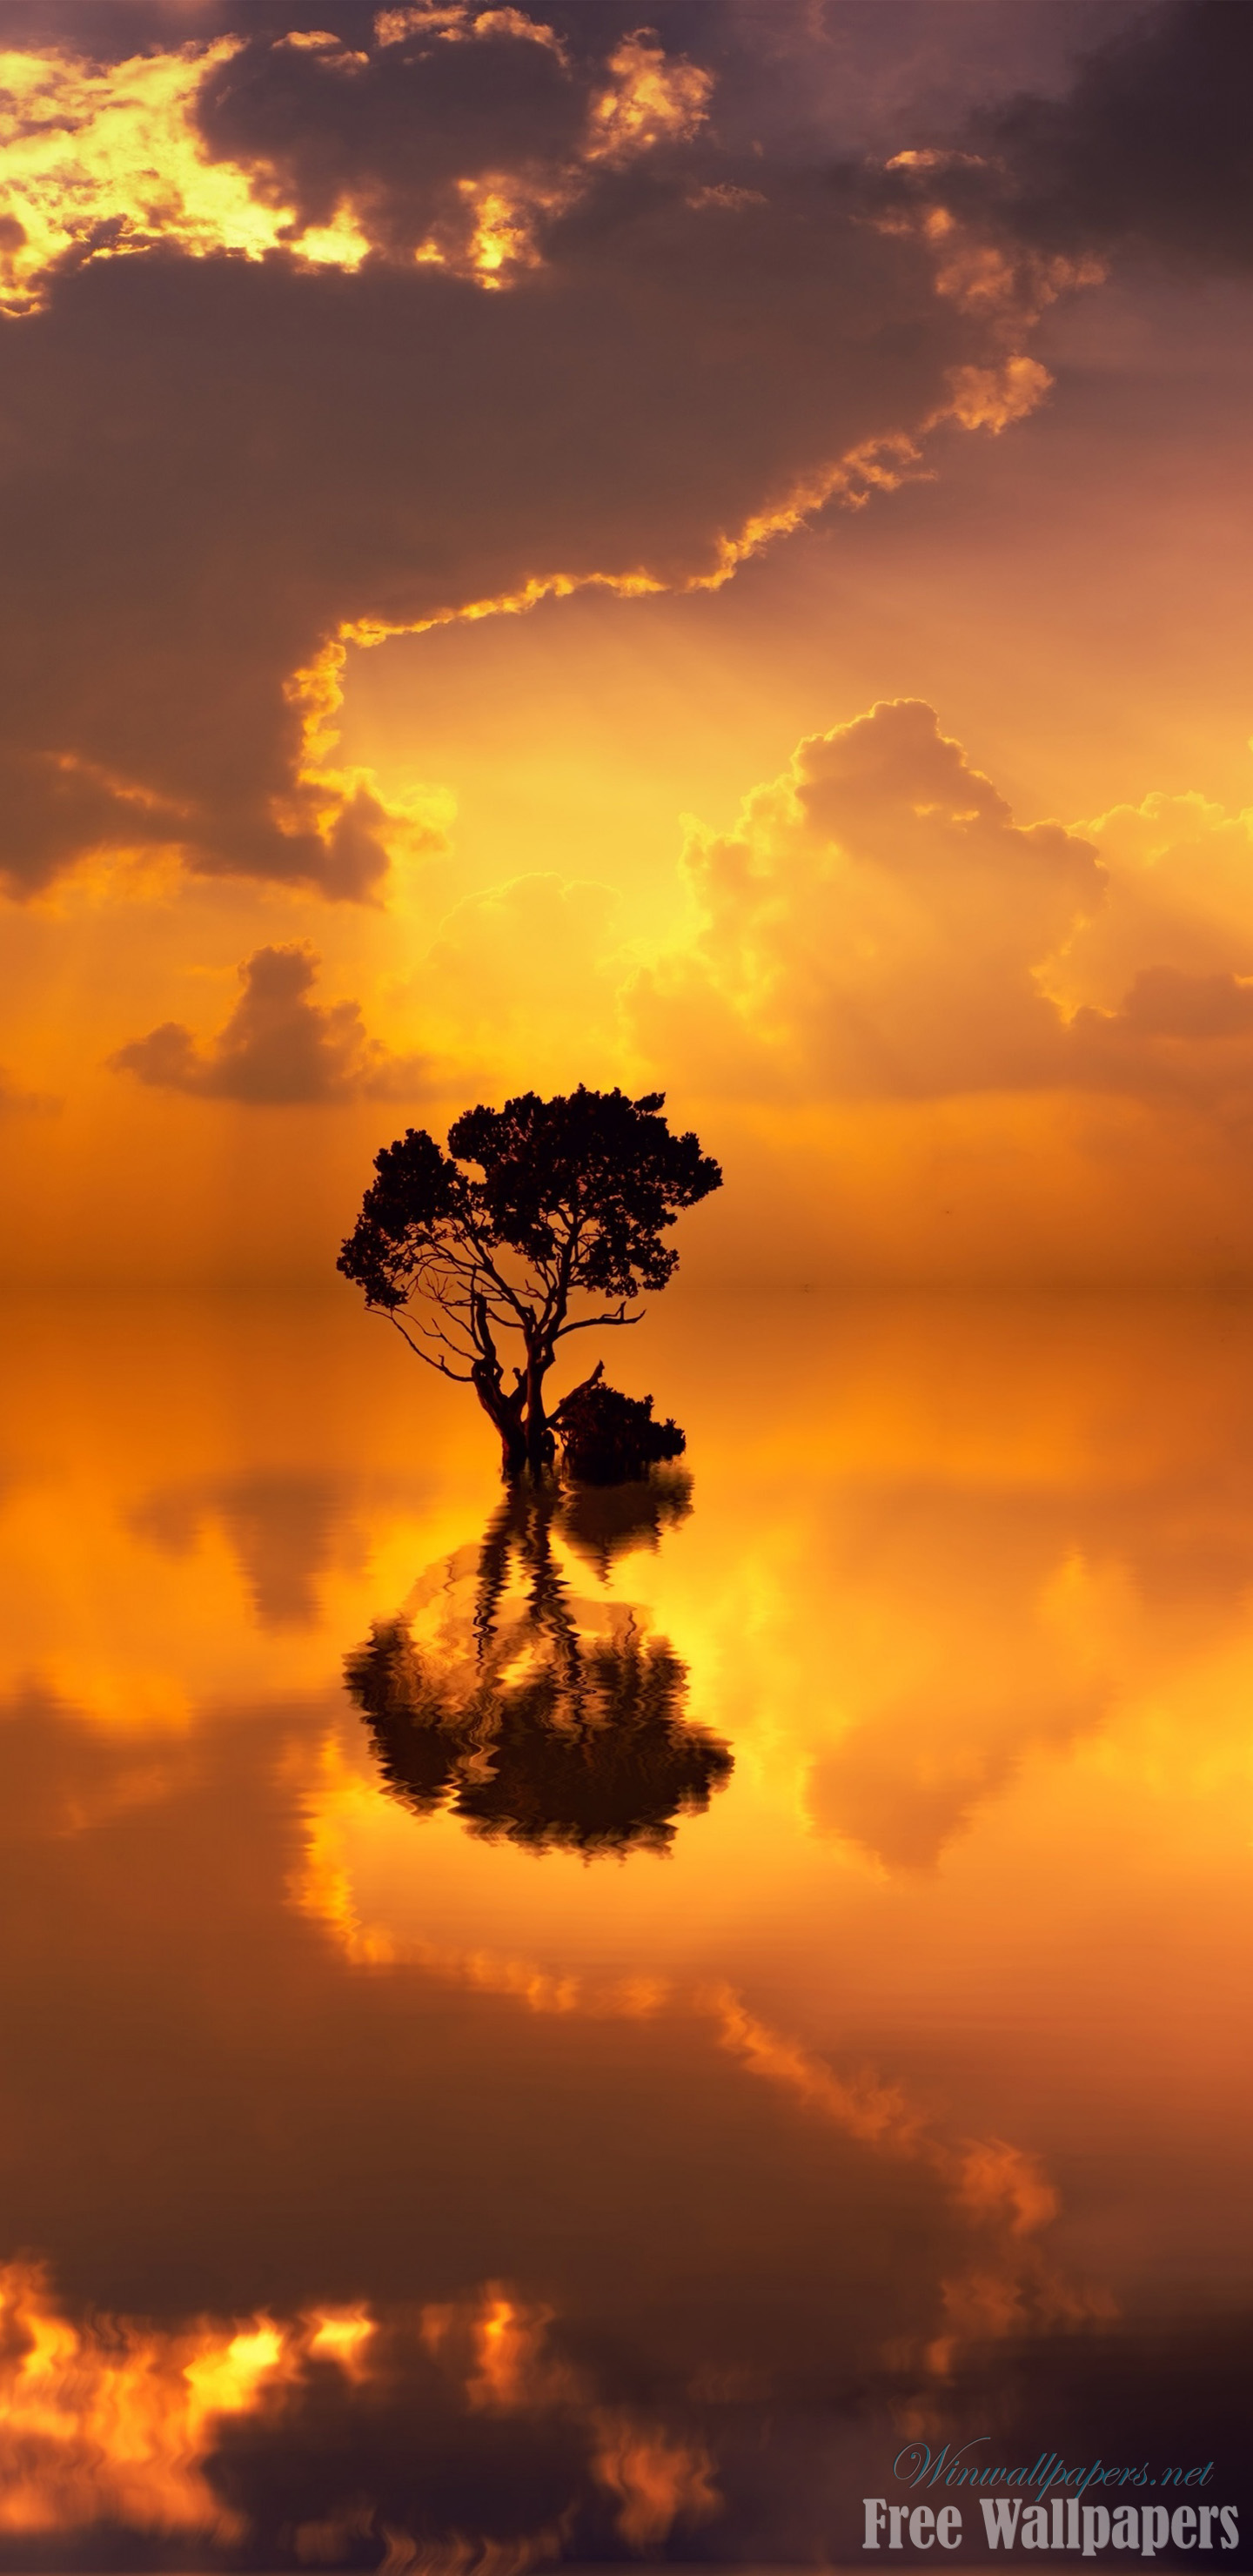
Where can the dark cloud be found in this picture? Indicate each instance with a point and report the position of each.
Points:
(1150, 145)
(278, 1046)
(209, 462)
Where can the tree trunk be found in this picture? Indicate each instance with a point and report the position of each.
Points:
(505, 1414)
(505, 1411)
(541, 1448)
(513, 1451)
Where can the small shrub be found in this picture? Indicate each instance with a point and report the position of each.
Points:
(609, 1438)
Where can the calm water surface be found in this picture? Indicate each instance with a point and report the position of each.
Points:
(747, 1979)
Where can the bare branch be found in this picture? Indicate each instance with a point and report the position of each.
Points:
(435, 1332)
(486, 1263)
(432, 1333)
(461, 1378)
(588, 1323)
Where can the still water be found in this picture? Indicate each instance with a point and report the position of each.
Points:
(743, 1985)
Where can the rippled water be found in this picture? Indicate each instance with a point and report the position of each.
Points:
(748, 1983)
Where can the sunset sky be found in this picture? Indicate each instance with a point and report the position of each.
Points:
(710, 554)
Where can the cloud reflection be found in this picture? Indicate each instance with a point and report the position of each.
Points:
(288, 1529)
(112, 2422)
(116, 2424)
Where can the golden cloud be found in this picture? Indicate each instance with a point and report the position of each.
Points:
(873, 924)
(104, 164)
(877, 925)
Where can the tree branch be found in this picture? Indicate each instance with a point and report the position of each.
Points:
(581, 1389)
(458, 1377)
(588, 1323)
(486, 1263)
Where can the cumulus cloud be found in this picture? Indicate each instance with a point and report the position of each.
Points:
(877, 926)
(1179, 870)
(278, 1046)
(414, 318)
(872, 923)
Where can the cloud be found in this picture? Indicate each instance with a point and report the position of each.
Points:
(287, 1531)
(1191, 1035)
(419, 322)
(876, 926)
(1142, 151)
(278, 1046)
(110, 159)
(1178, 876)
(1164, 1003)
(1147, 149)
(872, 926)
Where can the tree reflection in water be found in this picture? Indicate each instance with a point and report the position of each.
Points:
(536, 1718)
(603, 1521)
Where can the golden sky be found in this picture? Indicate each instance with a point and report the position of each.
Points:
(713, 556)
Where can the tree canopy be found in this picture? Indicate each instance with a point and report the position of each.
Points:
(532, 1210)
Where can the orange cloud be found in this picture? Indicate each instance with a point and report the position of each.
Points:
(650, 101)
(877, 925)
(278, 1046)
(1177, 874)
(456, 22)
(498, 2344)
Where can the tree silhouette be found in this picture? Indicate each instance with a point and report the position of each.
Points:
(608, 1438)
(534, 1208)
(540, 1736)
(601, 1522)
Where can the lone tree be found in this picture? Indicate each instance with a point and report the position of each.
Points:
(534, 1209)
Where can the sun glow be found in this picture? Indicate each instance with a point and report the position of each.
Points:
(649, 101)
(99, 164)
